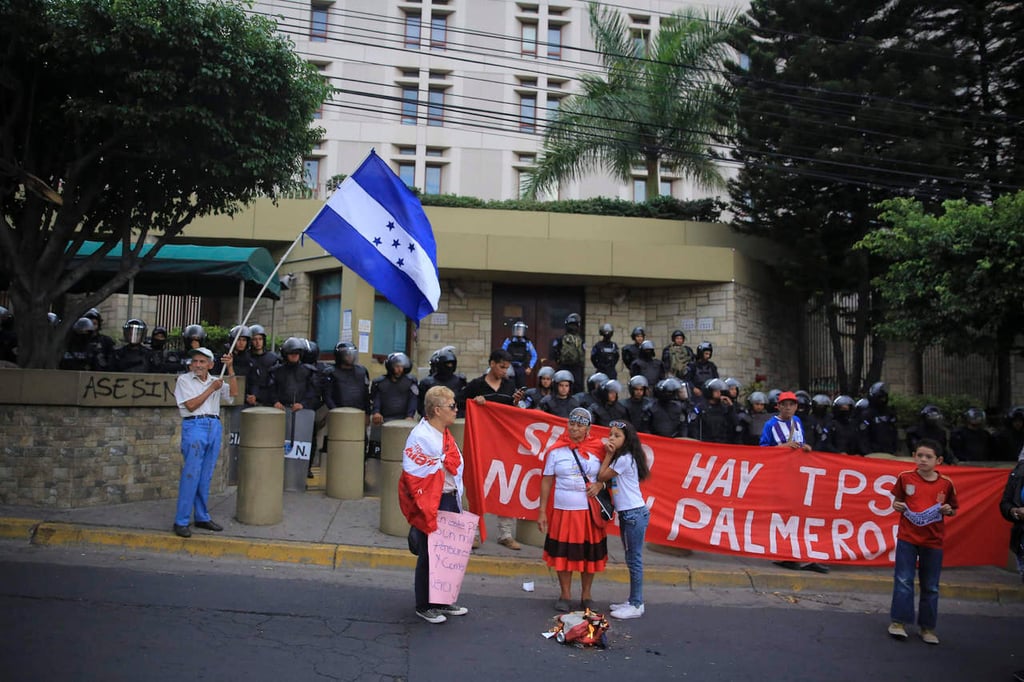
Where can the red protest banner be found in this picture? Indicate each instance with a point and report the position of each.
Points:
(772, 503)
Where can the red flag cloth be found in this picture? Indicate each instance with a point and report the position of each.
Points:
(771, 503)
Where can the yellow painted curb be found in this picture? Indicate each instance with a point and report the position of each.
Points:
(17, 529)
(803, 582)
(713, 578)
(287, 552)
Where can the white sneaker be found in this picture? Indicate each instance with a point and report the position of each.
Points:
(616, 607)
(628, 611)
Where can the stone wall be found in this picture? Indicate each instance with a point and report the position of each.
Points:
(75, 456)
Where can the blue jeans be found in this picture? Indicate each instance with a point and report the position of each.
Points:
(200, 447)
(632, 529)
(928, 563)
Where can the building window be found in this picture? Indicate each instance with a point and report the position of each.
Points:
(438, 32)
(410, 105)
(318, 23)
(412, 30)
(529, 41)
(665, 188)
(327, 311)
(407, 172)
(319, 113)
(311, 173)
(528, 113)
(390, 329)
(641, 41)
(435, 151)
(554, 42)
(552, 106)
(639, 190)
(407, 151)
(432, 181)
(435, 107)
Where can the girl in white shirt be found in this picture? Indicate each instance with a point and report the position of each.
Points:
(626, 463)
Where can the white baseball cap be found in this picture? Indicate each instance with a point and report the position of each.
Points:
(201, 351)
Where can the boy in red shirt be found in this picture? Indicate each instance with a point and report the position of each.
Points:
(923, 497)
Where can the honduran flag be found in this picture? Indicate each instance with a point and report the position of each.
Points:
(376, 226)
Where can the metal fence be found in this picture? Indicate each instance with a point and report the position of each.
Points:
(177, 311)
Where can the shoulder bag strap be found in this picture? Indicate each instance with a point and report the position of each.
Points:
(580, 465)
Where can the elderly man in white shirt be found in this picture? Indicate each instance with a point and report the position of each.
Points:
(199, 395)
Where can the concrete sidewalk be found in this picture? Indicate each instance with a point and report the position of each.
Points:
(323, 531)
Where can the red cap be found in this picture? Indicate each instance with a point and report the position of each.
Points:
(787, 395)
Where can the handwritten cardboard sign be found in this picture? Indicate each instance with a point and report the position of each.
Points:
(449, 547)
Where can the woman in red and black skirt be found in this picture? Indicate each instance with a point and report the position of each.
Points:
(573, 542)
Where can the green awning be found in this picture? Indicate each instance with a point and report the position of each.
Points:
(187, 269)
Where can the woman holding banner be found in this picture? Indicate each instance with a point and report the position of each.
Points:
(431, 481)
(573, 542)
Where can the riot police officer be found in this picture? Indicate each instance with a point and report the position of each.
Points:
(443, 366)
(631, 352)
(608, 407)
(258, 389)
(878, 422)
(106, 344)
(292, 380)
(561, 401)
(715, 420)
(393, 395)
(524, 355)
(842, 434)
(165, 360)
(594, 381)
(638, 404)
(349, 384)
(647, 365)
(533, 396)
(605, 353)
(930, 424)
(8, 337)
(677, 356)
(669, 416)
(972, 441)
(701, 370)
(757, 405)
(133, 356)
(241, 358)
(817, 420)
(84, 351)
(568, 350)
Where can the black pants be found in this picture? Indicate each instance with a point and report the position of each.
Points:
(422, 582)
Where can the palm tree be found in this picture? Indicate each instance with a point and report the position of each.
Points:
(656, 105)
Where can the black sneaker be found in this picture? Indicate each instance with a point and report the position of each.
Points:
(431, 615)
(451, 609)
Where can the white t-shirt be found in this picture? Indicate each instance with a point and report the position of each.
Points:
(626, 493)
(570, 490)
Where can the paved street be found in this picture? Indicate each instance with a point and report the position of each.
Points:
(82, 614)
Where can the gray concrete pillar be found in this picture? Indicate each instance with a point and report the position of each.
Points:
(260, 499)
(392, 444)
(346, 433)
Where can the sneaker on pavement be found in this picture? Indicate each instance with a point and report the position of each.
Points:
(616, 607)
(451, 609)
(431, 615)
(929, 636)
(897, 630)
(510, 542)
(628, 611)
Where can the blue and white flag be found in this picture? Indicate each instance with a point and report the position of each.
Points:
(376, 226)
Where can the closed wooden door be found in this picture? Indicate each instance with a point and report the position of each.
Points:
(543, 309)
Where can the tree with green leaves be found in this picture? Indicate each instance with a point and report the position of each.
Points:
(833, 117)
(122, 121)
(658, 104)
(953, 278)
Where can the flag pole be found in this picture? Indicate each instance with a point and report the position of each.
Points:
(234, 339)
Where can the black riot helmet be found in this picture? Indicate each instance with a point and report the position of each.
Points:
(608, 387)
(257, 330)
(519, 329)
(678, 333)
(241, 331)
(667, 389)
(398, 360)
(647, 349)
(733, 387)
(573, 322)
(445, 362)
(878, 394)
(563, 375)
(757, 398)
(311, 354)
(546, 372)
(293, 344)
(773, 399)
(639, 381)
(6, 318)
(705, 346)
(94, 315)
(595, 380)
(820, 404)
(1015, 413)
(606, 331)
(803, 401)
(638, 331)
(842, 407)
(932, 414)
(193, 332)
(974, 416)
(84, 326)
(53, 319)
(134, 332)
(345, 354)
(158, 343)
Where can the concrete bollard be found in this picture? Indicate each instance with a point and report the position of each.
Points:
(346, 435)
(260, 499)
(392, 444)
